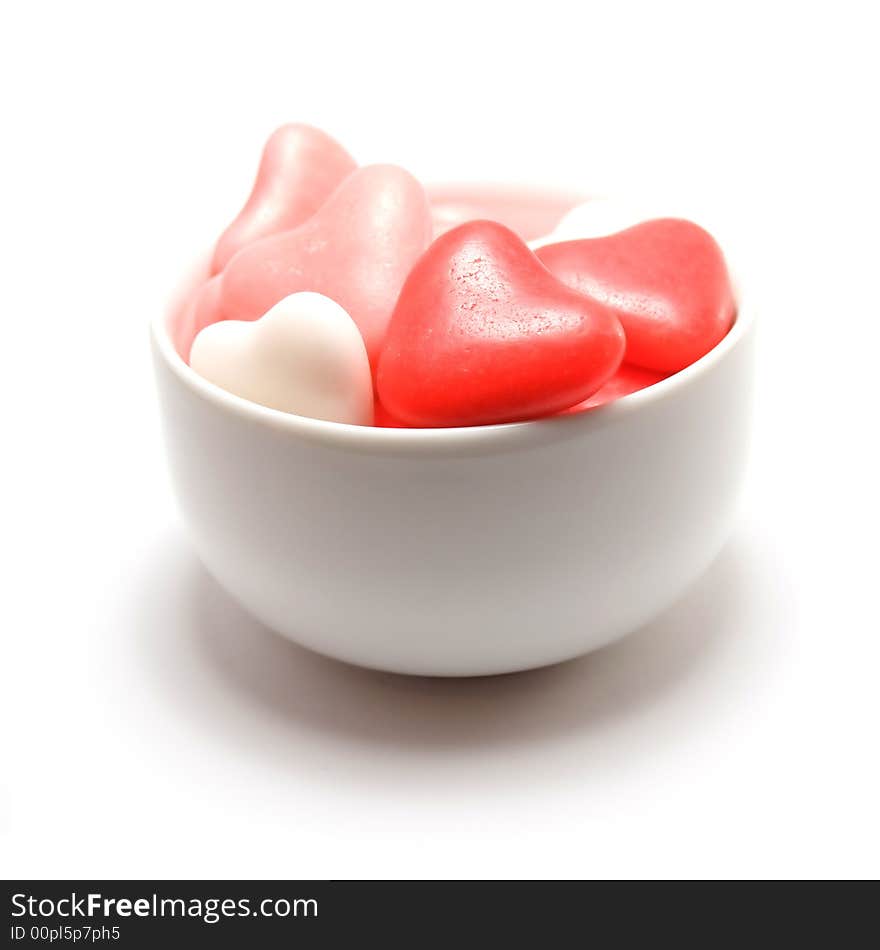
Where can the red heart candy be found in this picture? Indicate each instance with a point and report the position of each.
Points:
(665, 279)
(628, 379)
(383, 419)
(357, 250)
(483, 333)
(300, 168)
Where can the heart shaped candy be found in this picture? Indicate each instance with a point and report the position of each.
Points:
(383, 419)
(304, 356)
(201, 310)
(527, 211)
(300, 168)
(357, 249)
(483, 333)
(600, 217)
(666, 280)
(627, 380)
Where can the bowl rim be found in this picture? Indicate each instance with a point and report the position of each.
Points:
(444, 440)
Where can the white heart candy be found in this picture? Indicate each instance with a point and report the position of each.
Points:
(305, 356)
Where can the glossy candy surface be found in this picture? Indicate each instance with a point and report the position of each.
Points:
(300, 168)
(357, 249)
(666, 280)
(483, 333)
(305, 356)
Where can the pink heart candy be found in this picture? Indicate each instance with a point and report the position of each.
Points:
(201, 310)
(357, 250)
(530, 212)
(300, 168)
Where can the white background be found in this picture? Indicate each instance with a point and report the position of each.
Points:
(149, 728)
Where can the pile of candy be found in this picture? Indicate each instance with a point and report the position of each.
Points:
(339, 293)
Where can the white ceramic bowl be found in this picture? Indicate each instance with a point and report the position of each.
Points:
(461, 552)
